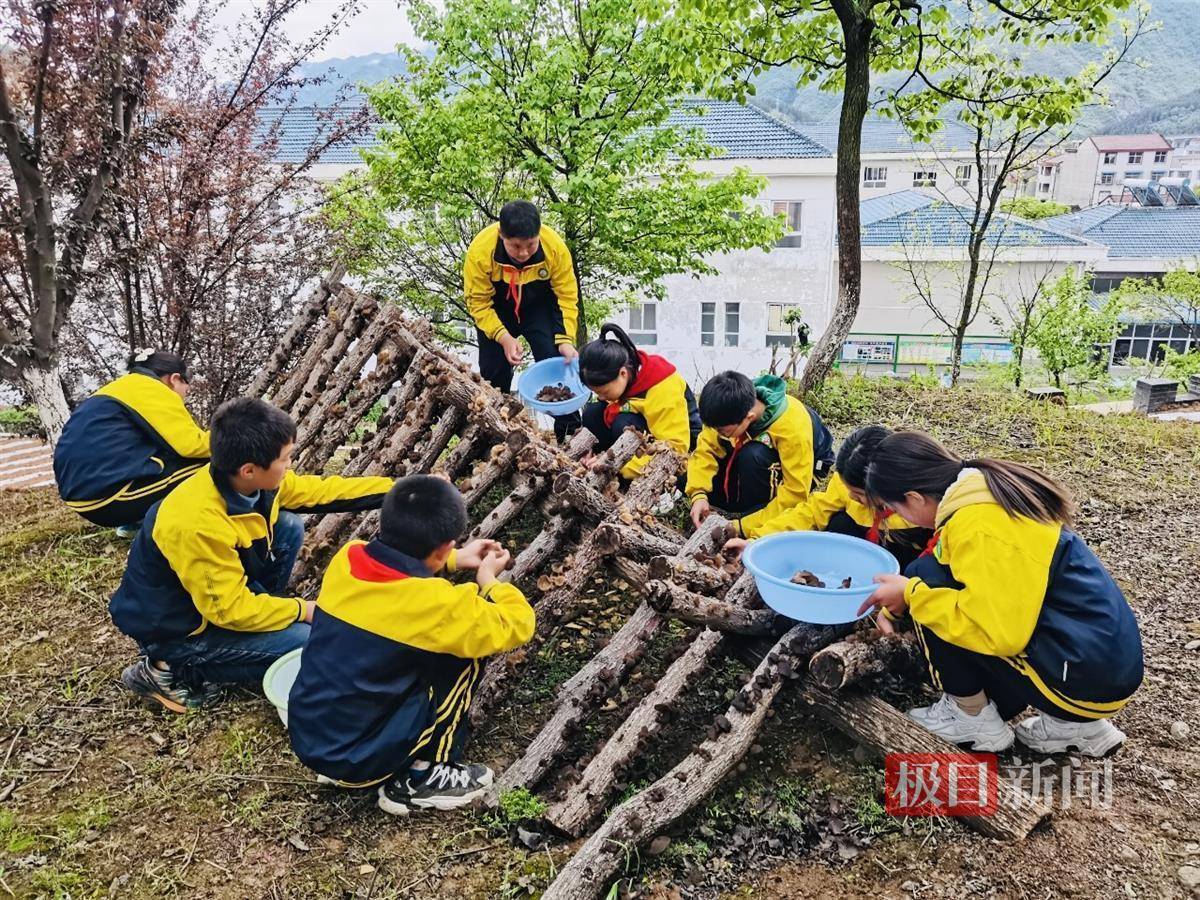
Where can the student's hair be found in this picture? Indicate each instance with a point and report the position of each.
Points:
(726, 398)
(601, 360)
(246, 430)
(160, 362)
(913, 461)
(854, 456)
(420, 513)
(520, 219)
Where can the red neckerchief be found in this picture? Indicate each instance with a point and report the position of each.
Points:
(932, 545)
(514, 287)
(652, 370)
(880, 517)
(365, 567)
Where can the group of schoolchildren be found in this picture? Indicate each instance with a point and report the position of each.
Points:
(1010, 607)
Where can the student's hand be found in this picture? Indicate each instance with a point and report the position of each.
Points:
(568, 351)
(889, 595)
(472, 554)
(884, 624)
(309, 607)
(734, 547)
(512, 349)
(700, 511)
(594, 460)
(491, 566)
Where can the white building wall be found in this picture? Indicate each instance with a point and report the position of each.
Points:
(1075, 183)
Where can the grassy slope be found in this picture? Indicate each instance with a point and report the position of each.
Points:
(110, 797)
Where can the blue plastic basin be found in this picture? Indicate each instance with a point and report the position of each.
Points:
(552, 371)
(773, 561)
(278, 680)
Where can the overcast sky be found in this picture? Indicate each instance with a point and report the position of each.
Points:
(377, 29)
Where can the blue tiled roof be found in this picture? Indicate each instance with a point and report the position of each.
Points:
(889, 136)
(303, 127)
(746, 132)
(915, 218)
(1164, 232)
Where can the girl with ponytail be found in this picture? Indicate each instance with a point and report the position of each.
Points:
(131, 443)
(1010, 606)
(635, 390)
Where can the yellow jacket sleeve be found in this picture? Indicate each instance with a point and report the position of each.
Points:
(702, 464)
(1004, 582)
(666, 411)
(792, 436)
(471, 624)
(314, 493)
(477, 283)
(207, 564)
(563, 283)
(812, 514)
(163, 410)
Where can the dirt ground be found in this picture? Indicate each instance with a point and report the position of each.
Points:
(99, 797)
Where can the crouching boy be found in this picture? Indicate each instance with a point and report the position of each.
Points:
(390, 668)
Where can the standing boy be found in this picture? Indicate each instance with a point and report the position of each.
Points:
(520, 282)
(758, 452)
(388, 674)
(204, 590)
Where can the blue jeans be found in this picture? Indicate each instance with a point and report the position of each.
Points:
(220, 655)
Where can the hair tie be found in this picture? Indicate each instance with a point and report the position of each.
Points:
(143, 354)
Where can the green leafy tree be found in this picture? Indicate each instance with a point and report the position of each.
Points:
(1071, 326)
(1033, 207)
(839, 44)
(1174, 296)
(566, 104)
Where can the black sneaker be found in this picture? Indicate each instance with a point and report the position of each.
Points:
(449, 786)
(394, 798)
(158, 685)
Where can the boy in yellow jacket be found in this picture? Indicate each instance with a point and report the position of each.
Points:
(205, 588)
(520, 282)
(388, 674)
(758, 452)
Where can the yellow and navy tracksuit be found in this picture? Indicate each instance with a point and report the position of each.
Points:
(658, 402)
(389, 669)
(767, 470)
(835, 510)
(1021, 610)
(125, 448)
(200, 552)
(537, 299)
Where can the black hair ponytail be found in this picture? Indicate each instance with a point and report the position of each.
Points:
(601, 360)
(159, 363)
(854, 456)
(913, 461)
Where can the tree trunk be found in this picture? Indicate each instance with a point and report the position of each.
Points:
(856, 29)
(44, 386)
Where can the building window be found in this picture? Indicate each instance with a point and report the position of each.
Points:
(643, 322)
(1160, 156)
(1107, 177)
(733, 318)
(1158, 173)
(780, 332)
(1110, 159)
(1134, 173)
(962, 175)
(791, 212)
(874, 176)
(1135, 157)
(1044, 188)
(708, 324)
(924, 179)
(1047, 170)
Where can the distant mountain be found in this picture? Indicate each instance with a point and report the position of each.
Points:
(1159, 91)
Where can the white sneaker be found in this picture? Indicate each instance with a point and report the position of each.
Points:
(986, 732)
(1045, 734)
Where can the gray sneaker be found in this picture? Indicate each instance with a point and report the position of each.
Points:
(986, 732)
(159, 686)
(1046, 734)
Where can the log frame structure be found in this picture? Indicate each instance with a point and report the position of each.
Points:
(349, 358)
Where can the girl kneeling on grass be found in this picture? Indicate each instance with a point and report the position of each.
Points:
(637, 390)
(1011, 607)
(843, 507)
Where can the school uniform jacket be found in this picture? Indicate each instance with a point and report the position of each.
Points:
(385, 629)
(664, 400)
(133, 428)
(816, 513)
(547, 279)
(787, 425)
(1033, 594)
(202, 546)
